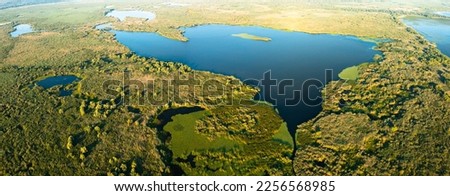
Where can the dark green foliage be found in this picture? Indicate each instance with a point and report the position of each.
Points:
(239, 141)
(90, 132)
(248, 123)
(266, 158)
(43, 134)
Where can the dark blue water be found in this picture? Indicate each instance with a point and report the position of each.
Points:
(58, 80)
(295, 56)
(435, 30)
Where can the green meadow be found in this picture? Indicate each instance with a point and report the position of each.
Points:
(350, 73)
(185, 138)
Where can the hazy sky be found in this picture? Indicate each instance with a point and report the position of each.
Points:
(442, 4)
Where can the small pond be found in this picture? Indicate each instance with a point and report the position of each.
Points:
(56, 81)
(21, 30)
(446, 14)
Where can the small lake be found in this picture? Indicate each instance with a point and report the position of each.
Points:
(435, 30)
(21, 30)
(122, 15)
(446, 14)
(56, 81)
(295, 56)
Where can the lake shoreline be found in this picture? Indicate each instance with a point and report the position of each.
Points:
(139, 39)
(373, 39)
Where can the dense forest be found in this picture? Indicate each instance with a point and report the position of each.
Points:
(92, 132)
(393, 120)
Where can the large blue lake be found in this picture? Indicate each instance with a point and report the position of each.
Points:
(294, 56)
(435, 30)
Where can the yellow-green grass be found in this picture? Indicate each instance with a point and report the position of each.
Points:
(283, 135)
(252, 37)
(58, 49)
(186, 139)
(50, 17)
(297, 17)
(318, 21)
(6, 42)
(350, 73)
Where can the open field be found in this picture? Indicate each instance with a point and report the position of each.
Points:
(185, 139)
(283, 135)
(350, 73)
(297, 17)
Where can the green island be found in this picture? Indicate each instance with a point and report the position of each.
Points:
(393, 118)
(252, 37)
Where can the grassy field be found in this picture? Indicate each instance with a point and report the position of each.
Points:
(185, 138)
(350, 73)
(297, 17)
(284, 136)
(56, 17)
(291, 18)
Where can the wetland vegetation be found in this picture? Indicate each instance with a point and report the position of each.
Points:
(349, 73)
